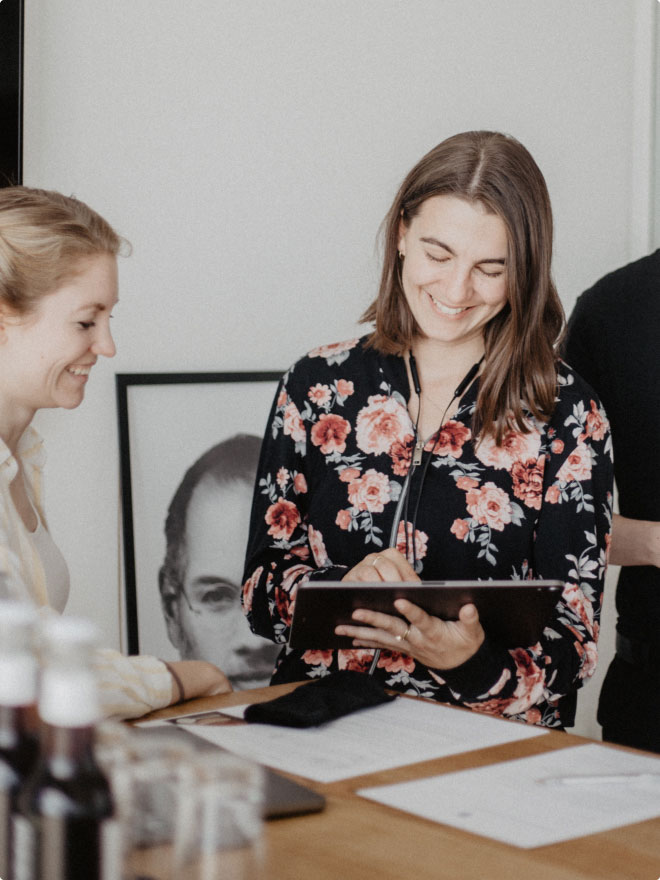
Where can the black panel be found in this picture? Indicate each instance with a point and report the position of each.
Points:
(11, 92)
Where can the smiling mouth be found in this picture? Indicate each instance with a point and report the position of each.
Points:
(446, 310)
(78, 370)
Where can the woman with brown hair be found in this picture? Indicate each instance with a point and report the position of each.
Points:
(448, 443)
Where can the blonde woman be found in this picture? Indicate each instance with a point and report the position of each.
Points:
(58, 286)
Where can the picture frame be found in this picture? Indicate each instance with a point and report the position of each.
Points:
(166, 421)
(11, 92)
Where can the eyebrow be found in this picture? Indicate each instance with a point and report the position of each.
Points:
(436, 243)
(210, 580)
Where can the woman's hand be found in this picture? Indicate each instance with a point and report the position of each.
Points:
(389, 565)
(438, 644)
(197, 678)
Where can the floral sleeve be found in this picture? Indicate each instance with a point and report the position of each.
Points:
(571, 540)
(283, 549)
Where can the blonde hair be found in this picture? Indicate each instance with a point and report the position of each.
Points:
(45, 240)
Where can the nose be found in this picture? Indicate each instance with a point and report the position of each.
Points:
(104, 344)
(456, 289)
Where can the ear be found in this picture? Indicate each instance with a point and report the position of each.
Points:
(169, 602)
(401, 233)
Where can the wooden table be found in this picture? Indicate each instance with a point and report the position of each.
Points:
(356, 838)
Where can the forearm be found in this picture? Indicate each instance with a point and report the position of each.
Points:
(635, 542)
(196, 678)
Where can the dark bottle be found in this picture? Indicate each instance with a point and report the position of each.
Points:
(65, 828)
(18, 715)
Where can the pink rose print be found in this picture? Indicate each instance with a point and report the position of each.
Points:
(596, 425)
(344, 388)
(358, 659)
(330, 433)
(450, 439)
(248, 589)
(580, 605)
(301, 552)
(282, 478)
(392, 661)
(343, 519)
(515, 447)
(532, 716)
(319, 394)
(370, 492)
(401, 455)
(589, 653)
(293, 424)
(460, 528)
(281, 399)
(531, 682)
(466, 483)
(557, 446)
(317, 658)
(380, 424)
(318, 547)
(285, 593)
(577, 466)
(552, 495)
(335, 348)
(421, 540)
(528, 481)
(489, 506)
(282, 517)
(348, 474)
(300, 484)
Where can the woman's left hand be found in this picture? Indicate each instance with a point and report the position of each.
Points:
(438, 644)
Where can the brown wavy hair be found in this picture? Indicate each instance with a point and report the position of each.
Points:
(520, 365)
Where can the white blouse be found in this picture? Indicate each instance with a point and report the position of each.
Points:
(32, 569)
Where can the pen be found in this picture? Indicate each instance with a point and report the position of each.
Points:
(599, 778)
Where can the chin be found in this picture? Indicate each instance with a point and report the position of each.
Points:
(243, 681)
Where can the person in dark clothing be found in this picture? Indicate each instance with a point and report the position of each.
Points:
(613, 342)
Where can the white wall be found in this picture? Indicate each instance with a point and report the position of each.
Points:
(249, 149)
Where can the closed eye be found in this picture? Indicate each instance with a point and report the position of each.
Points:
(436, 259)
(86, 325)
(491, 274)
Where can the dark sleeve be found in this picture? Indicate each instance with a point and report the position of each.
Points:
(570, 544)
(583, 341)
(279, 554)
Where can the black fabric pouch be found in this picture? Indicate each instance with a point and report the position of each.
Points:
(332, 696)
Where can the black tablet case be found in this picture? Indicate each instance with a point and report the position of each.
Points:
(513, 613)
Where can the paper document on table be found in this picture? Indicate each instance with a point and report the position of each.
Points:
(537, 801)
(391, 735)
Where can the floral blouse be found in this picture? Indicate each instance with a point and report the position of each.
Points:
(335, 457)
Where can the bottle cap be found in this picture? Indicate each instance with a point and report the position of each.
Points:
(18, 663)
(69, 695)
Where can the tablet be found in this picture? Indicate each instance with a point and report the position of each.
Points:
(513, 613)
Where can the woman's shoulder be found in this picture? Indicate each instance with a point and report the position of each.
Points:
(572, 388)
(579, 410)
(347, 359)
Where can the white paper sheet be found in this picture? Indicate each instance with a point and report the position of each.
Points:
(390, 735)
(509, 802)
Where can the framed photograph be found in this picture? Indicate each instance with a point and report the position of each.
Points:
(189, 445)
(11, 92)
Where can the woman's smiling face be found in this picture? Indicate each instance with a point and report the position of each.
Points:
(51, 350)
(454, 268)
